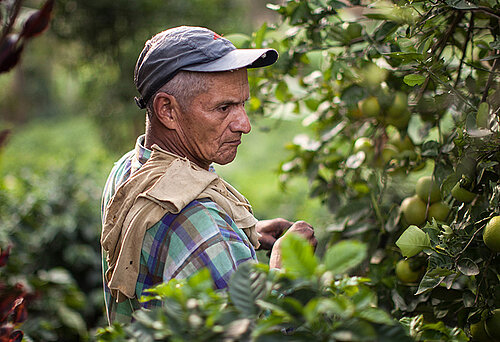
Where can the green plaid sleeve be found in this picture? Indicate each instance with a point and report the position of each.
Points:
(201, 235)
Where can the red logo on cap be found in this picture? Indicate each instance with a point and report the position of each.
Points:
(216, 36)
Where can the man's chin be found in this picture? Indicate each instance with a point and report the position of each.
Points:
(226, 159)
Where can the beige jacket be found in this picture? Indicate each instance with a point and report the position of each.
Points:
(166, 183)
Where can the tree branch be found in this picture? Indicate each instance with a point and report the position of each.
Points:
(490, 78)
(464, 49)
(12, 18)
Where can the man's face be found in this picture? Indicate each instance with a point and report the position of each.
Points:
(211, 127)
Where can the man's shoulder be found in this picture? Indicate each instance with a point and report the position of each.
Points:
(203, 211)
(118, 175)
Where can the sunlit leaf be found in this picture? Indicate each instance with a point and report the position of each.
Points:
(344, 256)
(413, 241)
(298, 256)
(414, 79)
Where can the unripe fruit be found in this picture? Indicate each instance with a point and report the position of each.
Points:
(478, 332)
(413, 209)
(491, 235)
(399, 105)
(405, 273)
(439, 211)
(461, 194)
(369, 106)
(492, 326)
(428, 190)
(389, 152)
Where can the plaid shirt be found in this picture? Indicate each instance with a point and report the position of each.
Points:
(201, 235)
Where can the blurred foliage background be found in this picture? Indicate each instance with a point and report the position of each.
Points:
(70, 111)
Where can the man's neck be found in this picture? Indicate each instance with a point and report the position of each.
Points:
(171, 146)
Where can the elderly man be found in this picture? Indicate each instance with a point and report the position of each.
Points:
(166, 213)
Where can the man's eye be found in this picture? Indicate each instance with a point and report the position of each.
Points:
(224, 108)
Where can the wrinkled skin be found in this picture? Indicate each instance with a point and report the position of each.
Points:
(301, 228)
(210, 129)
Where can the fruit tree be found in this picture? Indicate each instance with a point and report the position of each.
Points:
(401, 100)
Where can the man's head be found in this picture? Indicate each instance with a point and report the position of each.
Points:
(194, 85)
(190, 49)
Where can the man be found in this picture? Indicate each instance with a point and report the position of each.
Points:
(166, 213)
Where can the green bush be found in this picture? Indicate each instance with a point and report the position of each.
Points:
(305, 301)
(49, 211)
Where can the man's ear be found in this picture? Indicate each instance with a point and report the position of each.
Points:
(165, 108)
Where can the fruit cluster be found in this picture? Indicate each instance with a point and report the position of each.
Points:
(425, 205)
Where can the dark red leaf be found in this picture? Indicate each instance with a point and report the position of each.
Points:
(11, 298)
(4, 134)
(16, 336)
(38, 21)
(4, 255)
(5, 332)
(10, 52)
(20, 313)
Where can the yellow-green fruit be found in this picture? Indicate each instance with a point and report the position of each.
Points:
(428, 190)
(401, 121)
(405, 273)
(462, 195)
(399, 106)
(491, 235)
(492, 326)
(369, 106)
(478, 332)
(413, 209)
(389, 152)
(439, 211)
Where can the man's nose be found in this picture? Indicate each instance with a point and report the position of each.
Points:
(242, 122)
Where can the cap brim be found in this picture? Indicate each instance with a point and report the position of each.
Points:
(237, 59)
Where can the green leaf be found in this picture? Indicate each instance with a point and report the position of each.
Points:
(428, 283)
(482, 116)
(72, 319)
(468, 267)
(461, 4)
(414, 79)
(344, 256)
(375, 315)
(413, 241)
(246, 286)
(298, 256)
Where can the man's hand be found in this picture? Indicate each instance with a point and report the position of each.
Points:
(301, 228)
(271, 230)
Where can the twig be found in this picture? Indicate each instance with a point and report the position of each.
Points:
(486, 10)
(464, 49)
(12, 19)
(440, 45)
(490, 78)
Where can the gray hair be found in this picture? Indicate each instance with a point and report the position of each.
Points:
(185, 86)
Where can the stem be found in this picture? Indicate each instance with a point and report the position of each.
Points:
(490, 78)
(452, 89)
(440, 45)
(483, 277)
(464, 49)
(377, 210)
(12, 19)
(487, 11)
(472, 238)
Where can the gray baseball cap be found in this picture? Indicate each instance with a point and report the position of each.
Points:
(192, 49)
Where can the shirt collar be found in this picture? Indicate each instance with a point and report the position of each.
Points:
(141, 155)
